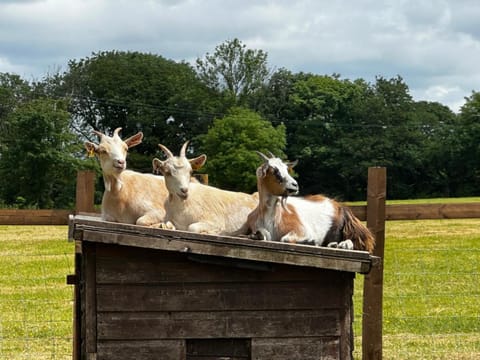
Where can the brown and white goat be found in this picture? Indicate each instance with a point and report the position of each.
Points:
(313, 219)
(129, 195)
(197, 207)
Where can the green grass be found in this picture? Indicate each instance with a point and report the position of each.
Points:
(35, 302)
(431, 303)
(431, 291)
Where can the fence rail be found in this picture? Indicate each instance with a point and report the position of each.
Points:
(392, 212)
(34, 217)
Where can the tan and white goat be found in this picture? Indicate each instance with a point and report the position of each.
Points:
(313, 219)
(129, 197)
(197, 207)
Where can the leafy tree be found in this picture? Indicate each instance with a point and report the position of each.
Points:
(234, 70)
(137, 91)
(38, 164)
(468, 155)
(13, 91)
(230, 145)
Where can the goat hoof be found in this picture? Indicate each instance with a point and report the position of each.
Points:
(261, 234)
(166, 226)
(332, 245)
(346, 244)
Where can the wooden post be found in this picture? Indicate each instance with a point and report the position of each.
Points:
(373, 284)
(85, 192)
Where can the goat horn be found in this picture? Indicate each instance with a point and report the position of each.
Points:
(166, 151)
(271, 154)
(116, 131)
(262, 156)
(98, 133)
(184, 149)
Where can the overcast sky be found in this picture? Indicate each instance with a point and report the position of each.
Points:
(433, 45)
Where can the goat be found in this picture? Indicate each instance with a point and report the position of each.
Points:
(197, 207)
(128, 194)
(313, 219)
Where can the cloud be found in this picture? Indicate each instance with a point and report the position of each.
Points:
(433, 45)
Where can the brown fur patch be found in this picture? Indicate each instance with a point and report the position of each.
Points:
(357, 232)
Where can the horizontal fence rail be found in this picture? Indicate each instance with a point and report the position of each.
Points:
(34, 217)
(392, 212)
(424, 211)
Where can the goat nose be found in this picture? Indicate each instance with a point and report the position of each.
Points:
(184, 190)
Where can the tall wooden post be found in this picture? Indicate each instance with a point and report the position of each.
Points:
(373, 284)
(85, 196)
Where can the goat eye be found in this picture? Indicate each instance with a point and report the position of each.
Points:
(277, 175)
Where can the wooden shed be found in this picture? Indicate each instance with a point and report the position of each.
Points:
(144, 293)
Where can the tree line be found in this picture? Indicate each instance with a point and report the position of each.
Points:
(228, 104)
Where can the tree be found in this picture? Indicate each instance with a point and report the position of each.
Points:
(468, 154)
(38, 164)
(137, 91)
(231, 143)
(234, 70)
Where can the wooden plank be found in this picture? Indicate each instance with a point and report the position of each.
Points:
(223, 324)
(373, 284)
(231, 250)
(89, 268)
(34, 217)
(229, 247)
(300, 348)
(433, 211)
(141, 350)
(218, 297)
(238, 349)
(127, 265)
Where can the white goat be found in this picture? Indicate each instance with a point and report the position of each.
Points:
(128, 196)
(313, 219)
(197, 207)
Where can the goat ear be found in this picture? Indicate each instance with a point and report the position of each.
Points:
(263, 170)
(158, 166)
(134, 140)
(292, 164)
(198, 162)
(91, 148)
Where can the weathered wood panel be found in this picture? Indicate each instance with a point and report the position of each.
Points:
(231, 349)
(127, 265)
(141, 350)
(218, 297)
(432, 211)
(301, 348)
(223, 324)
(34, 217)
(90, 299)
(423, 211)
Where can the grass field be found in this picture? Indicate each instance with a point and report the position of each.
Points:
(431, 291)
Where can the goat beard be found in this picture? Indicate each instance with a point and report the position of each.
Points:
(283, 202)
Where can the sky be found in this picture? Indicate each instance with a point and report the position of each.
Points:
(433, 45)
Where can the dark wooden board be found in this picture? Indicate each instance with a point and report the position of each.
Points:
(301, 348)
(141, 350)
(222, 324)
(217, 297)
